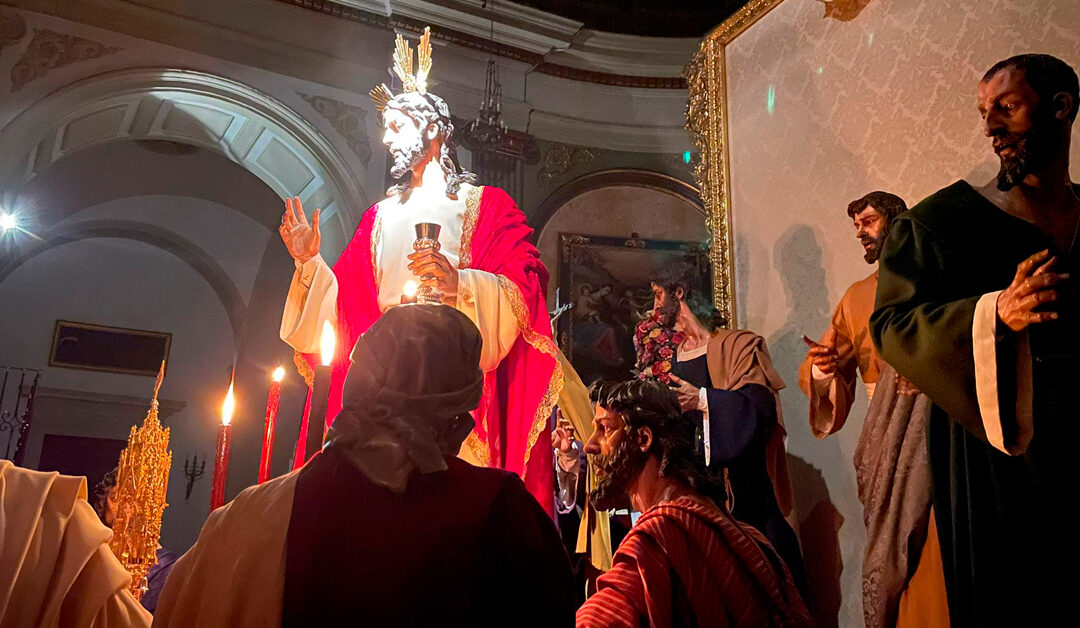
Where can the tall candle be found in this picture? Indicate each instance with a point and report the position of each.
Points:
(273, 399)
(320, 393)
(221, 452)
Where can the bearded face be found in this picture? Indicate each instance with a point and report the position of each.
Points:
(1020, 125)
(407, 142)
(615, 461)
(871, 230)
(665, 305)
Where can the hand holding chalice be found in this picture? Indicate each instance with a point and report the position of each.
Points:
(438, 277)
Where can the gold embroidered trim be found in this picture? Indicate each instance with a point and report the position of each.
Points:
(472, 211)
(376, 235)
(478, 449)
(303, 368)
(542, 344)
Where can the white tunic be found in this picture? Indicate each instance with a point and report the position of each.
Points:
(313, 292)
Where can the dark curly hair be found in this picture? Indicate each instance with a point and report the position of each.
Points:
(888, 205)
(681, 275)
(651, 404)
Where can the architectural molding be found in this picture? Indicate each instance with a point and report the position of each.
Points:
(632, 177)
(12, 28)
(166, 407)
(347, 120)
(49, 50)
(187, 251)
(250, 128)
(559, 158)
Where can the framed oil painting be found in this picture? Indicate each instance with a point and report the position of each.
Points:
(608, 282)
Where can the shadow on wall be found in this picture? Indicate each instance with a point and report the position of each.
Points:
(797, 257)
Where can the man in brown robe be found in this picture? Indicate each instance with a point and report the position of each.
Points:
(903, 584)
(727, 385)
(686, 562)
(385, 526)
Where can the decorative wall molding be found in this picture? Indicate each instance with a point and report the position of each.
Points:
(632, 177)
(535, 34)
(560, 158)
(166, 407)
(12, 28)
(348, 120)
(248, 127)
(49, 50)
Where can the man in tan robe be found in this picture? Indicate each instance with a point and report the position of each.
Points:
(903, 582)
(56, 568)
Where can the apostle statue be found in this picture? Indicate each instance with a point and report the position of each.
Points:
(483, 265)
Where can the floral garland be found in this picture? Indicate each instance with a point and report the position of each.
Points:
(655, 345)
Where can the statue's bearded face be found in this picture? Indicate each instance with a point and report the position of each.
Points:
(616, 462)
(1021, 126)
(406, 140)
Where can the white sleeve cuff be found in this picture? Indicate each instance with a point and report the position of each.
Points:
(481, 299)
(312, 299)
(703, 405)
(985, 354)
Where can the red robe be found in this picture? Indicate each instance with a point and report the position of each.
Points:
(512, 430)
(686, 564)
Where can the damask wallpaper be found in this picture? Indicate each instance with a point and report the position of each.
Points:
(820, 112)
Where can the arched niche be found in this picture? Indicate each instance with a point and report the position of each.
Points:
(245, 125)
(617, 203)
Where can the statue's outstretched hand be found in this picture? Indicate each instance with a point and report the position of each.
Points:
(301, 238)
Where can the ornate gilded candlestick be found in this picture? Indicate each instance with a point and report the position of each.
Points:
(427, 238)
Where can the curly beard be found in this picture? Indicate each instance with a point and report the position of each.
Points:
(617, 472)
(407, 157)
(1032, 150)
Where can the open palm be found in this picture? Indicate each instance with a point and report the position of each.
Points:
(300, 237)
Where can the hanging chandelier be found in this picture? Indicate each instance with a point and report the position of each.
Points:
(488, 131)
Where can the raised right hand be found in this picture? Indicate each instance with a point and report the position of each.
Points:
(823, 354)
(302, 239)
(562, 437)
(1032, 286)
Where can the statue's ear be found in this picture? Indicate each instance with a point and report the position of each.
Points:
(432, 131)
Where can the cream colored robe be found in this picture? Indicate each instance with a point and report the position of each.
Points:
(56, 568)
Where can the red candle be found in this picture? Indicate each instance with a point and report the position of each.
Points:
(221, 452)
(270, 424)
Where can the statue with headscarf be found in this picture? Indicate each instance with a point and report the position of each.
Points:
(385, 526)
(484, 266)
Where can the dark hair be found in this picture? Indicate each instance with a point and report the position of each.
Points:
(101, 492)
(1046, 74)
(888, 205)
(680, 276)
(651, 404)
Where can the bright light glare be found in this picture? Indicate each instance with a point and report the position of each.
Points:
(279, 374)
(8, 221)
(327, 343)
(410, 288)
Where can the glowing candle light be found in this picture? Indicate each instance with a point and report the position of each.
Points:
(408, 291)
(320, 393)
(221, 451)
(273, 399)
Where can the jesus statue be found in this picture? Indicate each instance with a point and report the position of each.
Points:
(484, 266)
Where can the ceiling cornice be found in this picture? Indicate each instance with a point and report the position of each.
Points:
(548, 43)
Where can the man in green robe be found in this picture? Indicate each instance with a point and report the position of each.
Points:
(976, 308)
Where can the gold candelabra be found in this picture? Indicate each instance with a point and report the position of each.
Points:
(141, 484)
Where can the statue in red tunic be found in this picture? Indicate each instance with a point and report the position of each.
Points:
(484, 266)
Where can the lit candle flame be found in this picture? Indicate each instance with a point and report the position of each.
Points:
(327, 343)
(228, 407)
(410, 288)
(279, 374)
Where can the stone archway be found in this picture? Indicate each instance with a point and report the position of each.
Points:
(245, 125)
